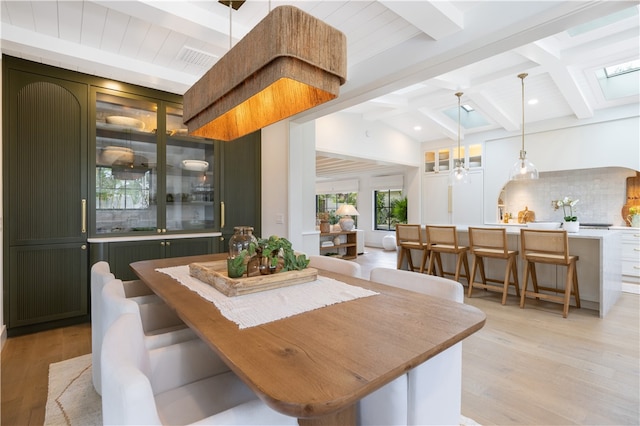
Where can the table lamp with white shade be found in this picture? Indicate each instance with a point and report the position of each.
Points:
(346, 221)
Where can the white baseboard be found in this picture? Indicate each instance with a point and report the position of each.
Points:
(631, 288)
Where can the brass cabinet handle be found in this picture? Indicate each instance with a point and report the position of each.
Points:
(221, 214)
(84, 216)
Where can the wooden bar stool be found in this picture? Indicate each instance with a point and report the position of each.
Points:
(492, 243)
(550, 247)
(444, 239)
(409, 237)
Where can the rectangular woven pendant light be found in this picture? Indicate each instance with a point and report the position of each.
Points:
(290, 62)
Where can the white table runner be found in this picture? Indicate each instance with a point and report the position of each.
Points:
(254, 309)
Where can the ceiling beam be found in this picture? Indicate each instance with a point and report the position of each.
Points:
(550, 60)
(437, 19)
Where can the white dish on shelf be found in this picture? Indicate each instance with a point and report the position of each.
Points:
(120, 120)
(474, 164)
(195, 165)
(113, 153)
(119, 128)
(442, 168)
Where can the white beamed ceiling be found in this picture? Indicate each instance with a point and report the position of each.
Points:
(406, 59)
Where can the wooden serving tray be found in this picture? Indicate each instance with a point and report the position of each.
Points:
(215, 274)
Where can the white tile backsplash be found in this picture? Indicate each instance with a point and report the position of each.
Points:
(602, 193)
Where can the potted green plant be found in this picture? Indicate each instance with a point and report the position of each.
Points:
(634, 217)
(399, 210)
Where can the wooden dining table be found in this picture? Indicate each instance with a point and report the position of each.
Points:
(317, 365)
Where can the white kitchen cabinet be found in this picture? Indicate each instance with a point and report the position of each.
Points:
(444, 159)
(437, 161)
(630, 256)
(459, 204)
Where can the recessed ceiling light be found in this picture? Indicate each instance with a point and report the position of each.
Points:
(417, 128)
(532, 101)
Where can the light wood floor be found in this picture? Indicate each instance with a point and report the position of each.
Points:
(525, 367)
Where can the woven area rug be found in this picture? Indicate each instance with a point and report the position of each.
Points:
(72, 400)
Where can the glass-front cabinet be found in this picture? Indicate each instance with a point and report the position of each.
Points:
(437, 161)
(150, 176)
(441, 160)
(189, 177)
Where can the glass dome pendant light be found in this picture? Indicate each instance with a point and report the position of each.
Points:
(523, 169)
(459, 174)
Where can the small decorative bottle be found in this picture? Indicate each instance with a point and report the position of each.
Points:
(239, 245)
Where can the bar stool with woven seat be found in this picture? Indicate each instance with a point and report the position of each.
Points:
(549, 247)
(491, 243)
(409, 237)
(444, 239)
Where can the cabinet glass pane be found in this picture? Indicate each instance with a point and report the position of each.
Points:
(126, 158)
(429, 161)
(475, 155)
(189, 180)
(443, 159)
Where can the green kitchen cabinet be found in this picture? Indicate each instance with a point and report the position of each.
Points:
(240, 186)
(86, 159)
(121, 253)
(45, 194)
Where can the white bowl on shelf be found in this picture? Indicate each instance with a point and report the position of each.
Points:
(195, 165)
(116, 154)
(474, 164)
(119, 120)
(443, 168)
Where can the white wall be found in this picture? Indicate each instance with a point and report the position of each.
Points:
(349, 135)
(288, 184)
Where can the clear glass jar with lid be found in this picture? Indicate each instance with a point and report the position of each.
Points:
(241, 239)
(239, 253)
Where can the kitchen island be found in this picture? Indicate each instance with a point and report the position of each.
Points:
(599, 267)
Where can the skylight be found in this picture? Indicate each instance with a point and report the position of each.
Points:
(468, 119)
(622, 68)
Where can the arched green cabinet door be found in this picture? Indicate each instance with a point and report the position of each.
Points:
(45, 160)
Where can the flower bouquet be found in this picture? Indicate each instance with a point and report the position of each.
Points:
(571, 223)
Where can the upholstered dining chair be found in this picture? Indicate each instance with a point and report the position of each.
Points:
(491, 243)
(423, 395)
(183, 384)
(444, 239)
(409, 237)
(549, 247)
(138, 291)
(161, 323)
(340, 266)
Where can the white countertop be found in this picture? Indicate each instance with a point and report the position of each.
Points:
(95, 240)
(513, 229)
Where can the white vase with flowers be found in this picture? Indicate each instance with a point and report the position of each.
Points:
(571, 223)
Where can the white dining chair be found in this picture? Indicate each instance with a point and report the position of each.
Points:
(183, 384)
(432, 391)
(157, 318)
(333, 264)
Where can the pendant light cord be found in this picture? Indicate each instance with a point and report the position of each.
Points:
(230, 25)
(459, 95)
(522, 77)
